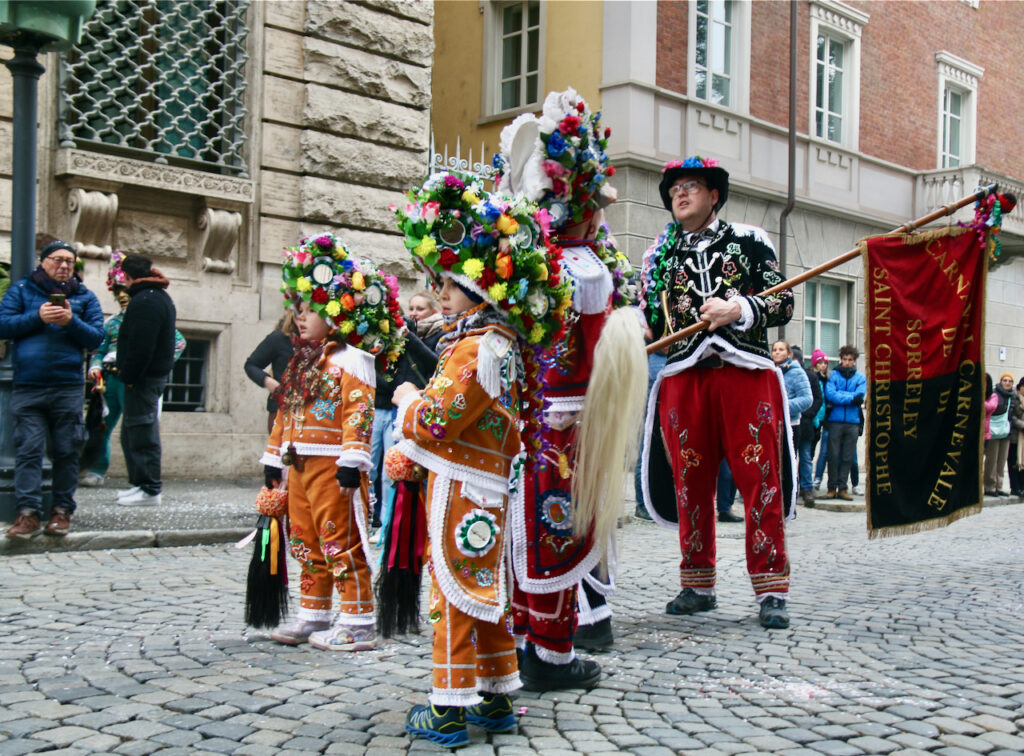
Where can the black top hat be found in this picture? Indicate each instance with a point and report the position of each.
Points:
(705, 168)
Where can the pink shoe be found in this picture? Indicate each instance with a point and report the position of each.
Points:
(297, 631)
(344, 637)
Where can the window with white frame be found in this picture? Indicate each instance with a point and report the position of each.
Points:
(958, 86)
(825, 316)
(829, 93)
(720, 58)
(952, 126)
(512, 51)
(835, 71)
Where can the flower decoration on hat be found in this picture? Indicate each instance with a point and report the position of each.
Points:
(707, 168)
(357, 300)
(558, 160)
(493, 246)
(115, 276)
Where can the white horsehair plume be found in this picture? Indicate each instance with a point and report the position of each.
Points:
(523, 153)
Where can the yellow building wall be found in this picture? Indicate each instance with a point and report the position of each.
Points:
(572, 33)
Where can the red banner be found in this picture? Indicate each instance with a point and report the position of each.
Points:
(924, 321)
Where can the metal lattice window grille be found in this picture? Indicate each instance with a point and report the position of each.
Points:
(186, 388)
(163, 77)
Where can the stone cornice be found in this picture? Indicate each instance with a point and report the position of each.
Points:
(956, 68)
(839, 15)
(94, 165)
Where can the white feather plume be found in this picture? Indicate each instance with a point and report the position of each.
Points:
(522, 151)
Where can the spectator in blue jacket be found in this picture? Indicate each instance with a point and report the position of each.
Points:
(53, 321)
(800, 398)
(845, 393)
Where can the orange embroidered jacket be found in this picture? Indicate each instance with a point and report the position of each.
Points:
(337, 423)
(465, 424)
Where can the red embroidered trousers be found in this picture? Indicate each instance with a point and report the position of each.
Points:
(547, 620)
(710, 413)
(325, 539)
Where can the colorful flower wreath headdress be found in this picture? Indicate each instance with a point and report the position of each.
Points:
(115, 276)
(358, 301)
(558, 160)
(493, 246)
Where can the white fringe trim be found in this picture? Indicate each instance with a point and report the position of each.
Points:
(346, 620)
(564, 403)
(503, 684)
(315, 615)
(587, 614)
(355, 458)
(592, 281)
(441, 466)
(439, 503)
(553, 657)
(355, 362)
(364, 539)
(274, 460)
(462, 697)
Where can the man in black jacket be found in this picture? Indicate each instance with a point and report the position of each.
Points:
(807, 435)
(145, 356)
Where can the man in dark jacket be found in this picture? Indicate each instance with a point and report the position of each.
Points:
(53, 321)
(806, 436)
(145, 356)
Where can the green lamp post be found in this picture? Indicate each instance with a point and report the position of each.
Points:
(30, 27)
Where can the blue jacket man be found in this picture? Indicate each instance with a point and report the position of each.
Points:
(53, 321)
(845, 392)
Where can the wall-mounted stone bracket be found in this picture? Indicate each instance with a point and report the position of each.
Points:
(93, 216)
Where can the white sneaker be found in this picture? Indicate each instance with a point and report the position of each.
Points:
(128, 492)
(91, 480)
(344, 637)
(140, 499)
(858, 490)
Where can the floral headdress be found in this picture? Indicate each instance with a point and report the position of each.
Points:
(358, 301)
(494, 247)
(558, 160)
(115, 276)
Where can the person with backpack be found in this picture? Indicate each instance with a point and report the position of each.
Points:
(997, 444)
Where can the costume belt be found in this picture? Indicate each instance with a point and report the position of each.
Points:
(292, 458)
(711, 361)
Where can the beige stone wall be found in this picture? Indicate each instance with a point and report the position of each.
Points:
(338, 128)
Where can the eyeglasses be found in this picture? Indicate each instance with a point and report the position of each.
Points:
(690, 187)
(62, 261)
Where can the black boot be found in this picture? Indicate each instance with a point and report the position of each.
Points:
(539, 675)
(773, 614)
(596, 637)
(689, 601)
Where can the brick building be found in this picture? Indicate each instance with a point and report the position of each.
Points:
(901, 108)
(209, 135)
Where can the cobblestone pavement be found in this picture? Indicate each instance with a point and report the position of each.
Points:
(904, 645)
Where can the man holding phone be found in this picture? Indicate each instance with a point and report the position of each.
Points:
(53, 321)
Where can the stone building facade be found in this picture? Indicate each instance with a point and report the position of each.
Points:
(918, 106)
(321, 121)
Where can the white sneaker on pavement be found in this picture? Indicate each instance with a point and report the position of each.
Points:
(858, 490)
(91, 480)
(140, 499)
(128, 492)
(344, 637)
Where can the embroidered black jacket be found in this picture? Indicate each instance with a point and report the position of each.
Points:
(725, 260)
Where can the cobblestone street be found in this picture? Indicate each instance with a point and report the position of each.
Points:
(905, 645)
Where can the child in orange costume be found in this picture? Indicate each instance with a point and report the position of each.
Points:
(503, 301)
(346, 314)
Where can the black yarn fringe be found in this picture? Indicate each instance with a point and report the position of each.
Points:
(397, 587)
(266, 595)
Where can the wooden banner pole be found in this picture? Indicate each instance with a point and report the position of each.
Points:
(852, 254)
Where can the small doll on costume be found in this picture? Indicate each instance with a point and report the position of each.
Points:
(558, 159)
(348, 319)
(503, 299)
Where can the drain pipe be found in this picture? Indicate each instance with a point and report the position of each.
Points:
(791, 191)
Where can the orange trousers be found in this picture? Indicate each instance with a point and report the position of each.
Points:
(469, 655)
(326, 540)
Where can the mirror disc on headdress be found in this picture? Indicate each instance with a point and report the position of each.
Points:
(323, 272)
(373, 295)
(524, 237)
(559, 213)
(453, 233)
